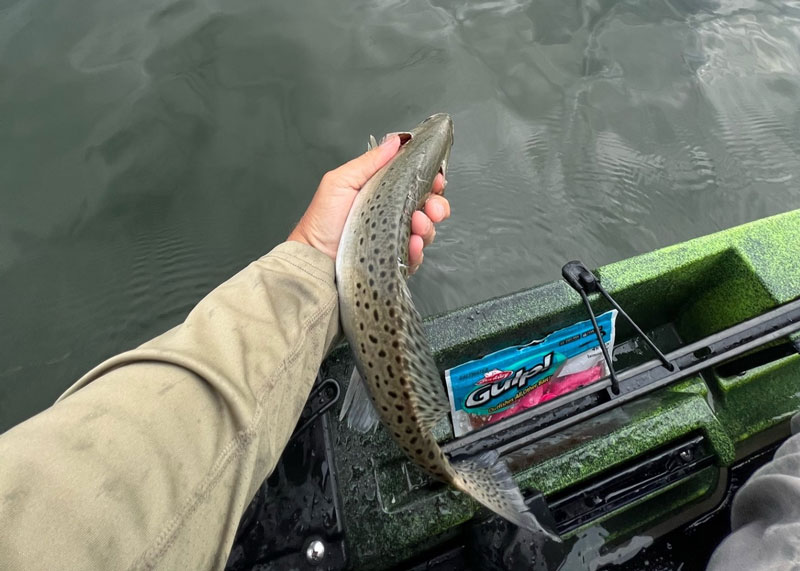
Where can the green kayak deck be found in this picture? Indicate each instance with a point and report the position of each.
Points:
(391, 511)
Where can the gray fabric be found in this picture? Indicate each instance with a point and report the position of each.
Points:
(766, 517)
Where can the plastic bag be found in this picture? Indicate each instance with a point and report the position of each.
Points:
(511, 380)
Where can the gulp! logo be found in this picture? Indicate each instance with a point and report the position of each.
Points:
(493, 389)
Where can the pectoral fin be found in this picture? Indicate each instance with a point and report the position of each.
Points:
(357, 407)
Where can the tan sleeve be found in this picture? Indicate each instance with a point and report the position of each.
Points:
(149, 460)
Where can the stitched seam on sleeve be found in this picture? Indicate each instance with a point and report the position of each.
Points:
(148, 559)
(325, 277)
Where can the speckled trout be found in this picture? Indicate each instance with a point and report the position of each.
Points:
(398, 376)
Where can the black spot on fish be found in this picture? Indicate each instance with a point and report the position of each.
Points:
(375, 315)
(358, 303)
(400, 407)
(361, 326)
(358, 285)
(413, 440)
(371, 268)
(399, 419)
(382, 260)
(395, 343)
(406, 395)
(376, 251)
(361, 259)
(381, 353)
(366, 305)
(397, 435)
(369, 364)
(418, 451)
(373, 237)
(384, 408)
(431, 455)
(390, 287)
(384, 221)
(371, 282)
(391, 312)
(399, 359)
(390, 371)
(361, 241)
(373, 338)
(392, 394)
(373, 225)
(374, 295)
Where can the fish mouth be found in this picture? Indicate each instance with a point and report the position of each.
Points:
(439, 126)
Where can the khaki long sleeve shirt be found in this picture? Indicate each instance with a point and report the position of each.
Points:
(149, 460)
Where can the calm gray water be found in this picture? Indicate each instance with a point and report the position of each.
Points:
(150, 149)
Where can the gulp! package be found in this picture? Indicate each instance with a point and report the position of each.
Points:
(508, 381)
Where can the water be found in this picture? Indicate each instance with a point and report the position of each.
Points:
(151, 149)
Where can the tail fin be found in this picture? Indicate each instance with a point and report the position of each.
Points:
(487, 479)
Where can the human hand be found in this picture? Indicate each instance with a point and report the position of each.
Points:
(323, 222)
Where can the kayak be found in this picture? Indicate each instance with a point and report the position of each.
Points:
(624, 477)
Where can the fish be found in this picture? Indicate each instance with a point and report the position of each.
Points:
(396, 379)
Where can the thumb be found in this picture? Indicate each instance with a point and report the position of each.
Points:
(358, 171)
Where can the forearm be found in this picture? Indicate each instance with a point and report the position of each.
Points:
(150, 458)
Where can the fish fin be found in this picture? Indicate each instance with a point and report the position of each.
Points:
(487, 478)
(428, 395)
(357, 406)
(372, 143)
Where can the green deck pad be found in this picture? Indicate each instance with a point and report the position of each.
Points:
(393, 511)
(640, 426)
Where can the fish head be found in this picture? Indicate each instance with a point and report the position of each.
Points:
(435, 134)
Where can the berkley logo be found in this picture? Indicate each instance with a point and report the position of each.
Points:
(492, 390)
(495, 376)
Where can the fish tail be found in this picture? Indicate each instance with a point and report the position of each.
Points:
(488, 479)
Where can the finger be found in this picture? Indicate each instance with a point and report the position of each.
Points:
(437, 208)
(415, 254)
(357, 172)
(422, 226)
(439, 184)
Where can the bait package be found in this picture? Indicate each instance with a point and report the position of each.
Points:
(516, 378)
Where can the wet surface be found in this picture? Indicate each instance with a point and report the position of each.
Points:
(152, 149)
